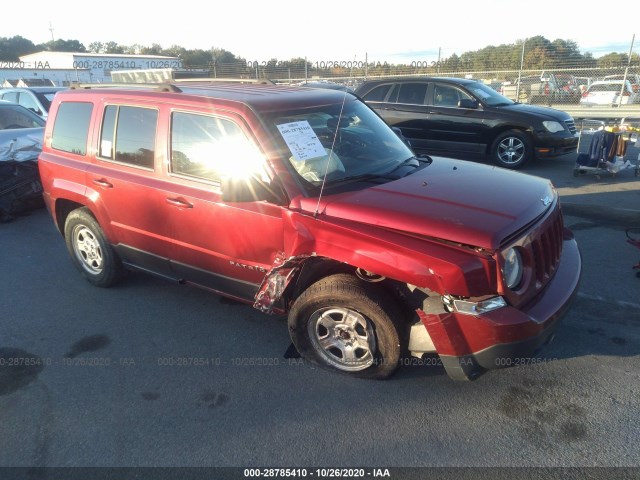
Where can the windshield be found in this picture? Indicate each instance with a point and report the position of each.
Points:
(339, 141)
(488, 95)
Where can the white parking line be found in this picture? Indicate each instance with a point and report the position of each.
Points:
(620, 303)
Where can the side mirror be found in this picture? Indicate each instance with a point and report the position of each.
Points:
(249, 189)
(468, 103)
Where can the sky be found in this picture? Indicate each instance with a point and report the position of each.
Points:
(328, 30)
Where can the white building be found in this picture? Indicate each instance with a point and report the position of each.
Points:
(63, 68)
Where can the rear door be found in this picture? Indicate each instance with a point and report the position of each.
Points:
(123, 182)
(402, 105)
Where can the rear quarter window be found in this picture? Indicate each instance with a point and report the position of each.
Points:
(378, 94)
(71, 127)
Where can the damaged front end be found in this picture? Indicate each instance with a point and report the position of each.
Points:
(20, 185)
(277, 280)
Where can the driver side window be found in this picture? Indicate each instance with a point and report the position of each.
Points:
(447, 96)
(208, 147)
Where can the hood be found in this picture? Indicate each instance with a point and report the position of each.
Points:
(454, 200)
(544, 113)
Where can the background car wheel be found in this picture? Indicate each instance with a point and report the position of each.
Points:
(90, 251)
(511, 149)
(345, 324)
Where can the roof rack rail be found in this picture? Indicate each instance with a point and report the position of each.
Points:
(261, 81)
(168, 86)
(160, 87)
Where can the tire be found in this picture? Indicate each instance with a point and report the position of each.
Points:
(511, 149)
(342, 323)
(90, 251)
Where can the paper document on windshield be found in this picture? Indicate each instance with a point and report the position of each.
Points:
(301, 140)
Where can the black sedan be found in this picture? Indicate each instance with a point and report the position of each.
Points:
(465, 118)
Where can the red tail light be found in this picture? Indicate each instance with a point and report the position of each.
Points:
(626, 94)
(546, 89)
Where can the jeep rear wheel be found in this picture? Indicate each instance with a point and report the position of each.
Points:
(511, 149)
(345, 324)
(90, 251)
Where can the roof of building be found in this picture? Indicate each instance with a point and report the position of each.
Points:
(97, 55)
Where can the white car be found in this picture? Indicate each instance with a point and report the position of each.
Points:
(634, 78)
(607, 92)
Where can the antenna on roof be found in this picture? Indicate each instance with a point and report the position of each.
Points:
(333, 144)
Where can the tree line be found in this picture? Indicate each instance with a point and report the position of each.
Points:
(538, 53)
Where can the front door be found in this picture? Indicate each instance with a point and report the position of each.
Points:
(227, 247)
(452, 128)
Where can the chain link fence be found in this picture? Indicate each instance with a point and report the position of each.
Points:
(562, 77)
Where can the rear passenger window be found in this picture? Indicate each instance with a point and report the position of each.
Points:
(412, 93)
(206, 147)
(71, 128)
(129, 135)
(378, 94)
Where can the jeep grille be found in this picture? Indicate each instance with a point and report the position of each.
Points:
(541, 248)
(546, 248)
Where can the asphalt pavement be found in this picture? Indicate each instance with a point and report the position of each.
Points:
(154, 374)
(595, 193)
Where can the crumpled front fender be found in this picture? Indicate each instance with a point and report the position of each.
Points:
(277, 280)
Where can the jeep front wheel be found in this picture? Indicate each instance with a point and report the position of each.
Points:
(511, 149)
(345, 324)
(90, 251)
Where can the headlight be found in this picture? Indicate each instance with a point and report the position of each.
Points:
(512, 269)
(553, 126)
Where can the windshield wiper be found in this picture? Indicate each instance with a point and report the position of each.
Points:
(363, 177)
(414, 161)
(418, 160)
(408, 161)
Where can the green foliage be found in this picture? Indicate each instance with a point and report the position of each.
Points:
(538, 53)
(12, 48)
(618, 60)
(63, 46)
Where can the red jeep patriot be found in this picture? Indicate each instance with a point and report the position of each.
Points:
(303, 201)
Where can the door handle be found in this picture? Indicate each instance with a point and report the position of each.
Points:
(179, 202)
(102, 183)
